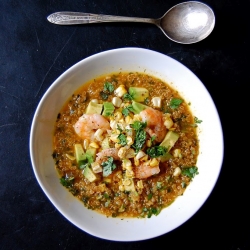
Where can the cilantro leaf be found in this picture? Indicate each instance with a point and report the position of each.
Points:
(108, 87)
(127, 110)
(140, 135)
(108, 166)
(137, 125)
(127, 97)
(104, 95)
(175, 103)
(156, 151)
(190, 172)
(122, 139)
(67, 181)
(196, 120)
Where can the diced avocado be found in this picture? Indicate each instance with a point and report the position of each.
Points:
(138, 107)
(90, 154)
(88, 173)
(79, 153)
(108, 108)
(105, 143)
(94, 108)
(169, 140)
(138, 94)
(165, 157)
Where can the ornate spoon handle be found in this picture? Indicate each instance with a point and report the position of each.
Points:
(72, 18)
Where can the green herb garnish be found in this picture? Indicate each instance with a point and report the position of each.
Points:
(108, 87)
(127, 110)
(127, 97)
(140, 136)
(122, 139)
(196, 120)
(190, 171)
(175, 103)
(108, 166)
(156, 151)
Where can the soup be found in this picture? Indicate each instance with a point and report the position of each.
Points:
(126, 145)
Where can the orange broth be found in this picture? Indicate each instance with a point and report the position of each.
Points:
(107, 194)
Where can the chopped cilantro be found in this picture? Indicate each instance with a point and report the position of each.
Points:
(108, 87)
(152, 138)
(175, 103)
(137, 125)
(108, 166)
(190, 172)
(104, 95)
(127, 110)
(196, 120)
(156, 151)
(140, 136)
(150, 196)
(127, 97)
(122, 139)
(153, 211)
(67, 181)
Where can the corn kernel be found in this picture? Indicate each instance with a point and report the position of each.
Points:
(113, 124)
(96, 167)
(114, 138)
(168, 123)
(117, 115)
(144, 158)
(71, 157)
(153, 163)
(121, 188)
(177, 153)
(140, 154)
(139, 184)
(120, 91)
(129, 173)
(128, 120)
(130, 153)
(98, 134)
(117, 101)
(149, 143)
(94, 145)
(136, 162)
(129, 140)
(126, 163)
(177, 172)
(85, 143)
(156, 102)
(122, 152)
(126, 182)
(95, 101)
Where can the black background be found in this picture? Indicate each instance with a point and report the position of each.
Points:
(34, 52)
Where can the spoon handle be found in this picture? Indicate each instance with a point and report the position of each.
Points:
(72, 18)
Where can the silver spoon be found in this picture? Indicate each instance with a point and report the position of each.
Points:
(186, 23)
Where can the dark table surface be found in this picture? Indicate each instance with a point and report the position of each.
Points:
(34, 52)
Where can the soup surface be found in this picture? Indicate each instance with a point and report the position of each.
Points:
(126, 145)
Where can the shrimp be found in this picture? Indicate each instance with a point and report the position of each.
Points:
(87, 124)
(155, 123)
(113, 152)
(144, 170)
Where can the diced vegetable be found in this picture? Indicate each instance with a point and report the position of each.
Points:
(108, 108)
(94, 108)
(88, 173)
(138, 94)
(156, 102)
(79, 153)
(138, 107)
(169, 140)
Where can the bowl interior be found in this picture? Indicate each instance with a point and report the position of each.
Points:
(210, 137)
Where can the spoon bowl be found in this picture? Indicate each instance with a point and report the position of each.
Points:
(185, 23)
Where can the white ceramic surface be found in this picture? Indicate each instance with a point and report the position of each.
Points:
(210, 136)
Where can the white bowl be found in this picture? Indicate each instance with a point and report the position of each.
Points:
(210, 137)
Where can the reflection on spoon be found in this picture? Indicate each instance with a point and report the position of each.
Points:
(186, 23)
